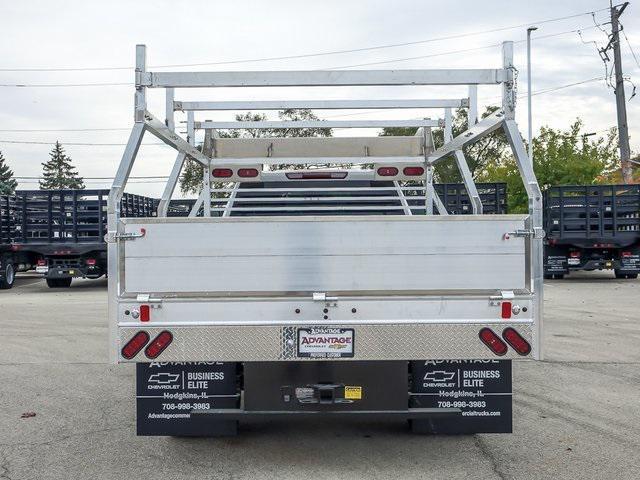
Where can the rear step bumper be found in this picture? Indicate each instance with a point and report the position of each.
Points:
(388, 341)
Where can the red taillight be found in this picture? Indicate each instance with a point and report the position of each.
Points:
(626, 254)
(42, 262)
(516, 341)
(247, 172)
(222, 172)
(145, 313)
(574, 254)
(413, 171)
(91, 262)
(491, 340)
(134, 345)
(387, 171)
(157, 346)
(316, 175)
(506, 309)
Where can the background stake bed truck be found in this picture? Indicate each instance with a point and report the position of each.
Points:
(333, 290)
(592, 227)
(59, 233)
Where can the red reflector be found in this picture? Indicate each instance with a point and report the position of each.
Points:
(134, 345)
(222, 172)
(247, 172)
(145, 313)
(574, 254)
(506, 309)
(387, 171)
(157, 346)
(91, 261)
(491, 340)
(316, 175)
(626, 254)
(413, 171)
(516, 341)
(42, 262)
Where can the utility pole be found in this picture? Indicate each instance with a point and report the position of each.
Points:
(621, 105)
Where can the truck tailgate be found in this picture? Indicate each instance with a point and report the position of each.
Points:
(355, 255)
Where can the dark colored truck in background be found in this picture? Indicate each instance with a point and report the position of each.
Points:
(592, 227)
(61, 232)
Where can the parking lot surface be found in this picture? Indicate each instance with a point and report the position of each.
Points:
(576, 414)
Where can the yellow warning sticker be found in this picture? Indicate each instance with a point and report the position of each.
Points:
(352, 393)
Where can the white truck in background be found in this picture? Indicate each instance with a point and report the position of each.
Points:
(321, 291)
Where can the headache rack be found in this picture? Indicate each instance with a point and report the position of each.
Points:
(291, 233)
(279, 196)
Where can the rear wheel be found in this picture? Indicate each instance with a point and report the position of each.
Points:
(9, 277)
(59, 282)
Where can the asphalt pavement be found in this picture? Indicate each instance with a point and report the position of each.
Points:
(576, 414)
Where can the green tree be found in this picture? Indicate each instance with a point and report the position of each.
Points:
(58, 172)
(490, 149)
(191, 179)
(7, 183)
(560, 158)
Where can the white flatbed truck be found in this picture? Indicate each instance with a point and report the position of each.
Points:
(313, 304)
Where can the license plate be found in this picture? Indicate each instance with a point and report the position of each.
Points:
(326, 342)
(574, 261)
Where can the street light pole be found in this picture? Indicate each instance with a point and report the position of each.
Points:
(530, 139)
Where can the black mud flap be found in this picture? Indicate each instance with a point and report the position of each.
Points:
(481, 389)
(168, 392)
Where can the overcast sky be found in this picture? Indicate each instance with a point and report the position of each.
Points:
(90, 34)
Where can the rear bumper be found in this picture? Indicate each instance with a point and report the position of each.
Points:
(390, 341)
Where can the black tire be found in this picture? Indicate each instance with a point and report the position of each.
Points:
(559, 276)
(9, 277)
(548, 276)
(59, 282)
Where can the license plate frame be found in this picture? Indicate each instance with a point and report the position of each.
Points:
(325, 342)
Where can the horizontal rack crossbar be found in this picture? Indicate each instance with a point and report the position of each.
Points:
(319, 78)
(318, 124)
(314, 160)
(320, 104)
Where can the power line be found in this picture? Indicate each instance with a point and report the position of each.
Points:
(630, 47)
(394, 60)
(75, 143)
(311, 55)
(452, 52)
(15, 130)
(54, 85)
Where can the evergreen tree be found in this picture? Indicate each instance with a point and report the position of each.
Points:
(7, 182)
(58, 173)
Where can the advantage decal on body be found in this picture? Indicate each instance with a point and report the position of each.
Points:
(325, 342)
(479, 389)
(167, 394)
